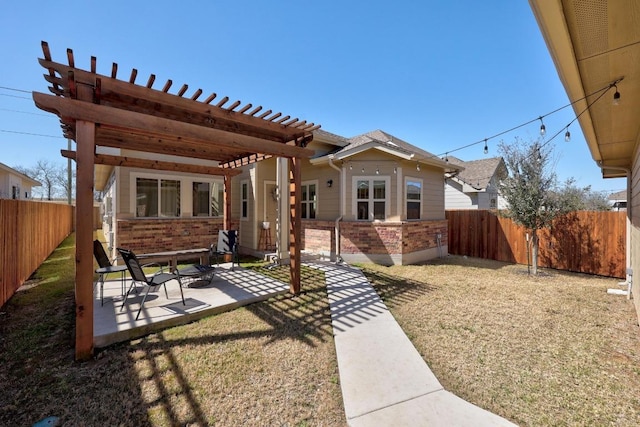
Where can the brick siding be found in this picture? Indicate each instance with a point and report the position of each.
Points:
(158, 235)
(389, 238)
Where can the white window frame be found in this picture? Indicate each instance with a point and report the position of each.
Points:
(211, 183)
(408, 179)
(186, 193)
(159, 178)
(309, 202)
(371, 200)
(244, 216)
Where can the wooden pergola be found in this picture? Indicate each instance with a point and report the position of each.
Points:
(102, 111)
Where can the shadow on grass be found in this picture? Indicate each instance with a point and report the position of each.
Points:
(41, 379)
(395, 290)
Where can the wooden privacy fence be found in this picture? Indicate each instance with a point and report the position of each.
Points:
(584, 241)
(29, 232)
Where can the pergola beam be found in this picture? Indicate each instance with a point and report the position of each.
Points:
(102, 111)
(125, 120)
(116, 91)
(133, 162)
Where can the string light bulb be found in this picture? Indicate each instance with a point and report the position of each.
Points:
(543, 129)
(616, 96)
(486, 149)
(567, 135)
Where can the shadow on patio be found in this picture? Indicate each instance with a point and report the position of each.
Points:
(227, 290)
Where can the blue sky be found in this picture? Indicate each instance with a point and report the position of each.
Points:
(439, 75)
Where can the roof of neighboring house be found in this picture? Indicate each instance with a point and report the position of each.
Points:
(477, 173)
(33, 182)
(386, 142)
(620, 195)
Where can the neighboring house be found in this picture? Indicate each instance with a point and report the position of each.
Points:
(595, 47)
(14, 184)
(618, 201)
(372, 197)
(477, 186)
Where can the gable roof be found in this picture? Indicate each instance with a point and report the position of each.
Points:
(478, 173)
(24, 177)
(388, 143)
(329, 137)
(620, 195)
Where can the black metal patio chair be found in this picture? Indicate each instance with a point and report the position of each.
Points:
(106, 267)
(227, 245)
(138, 276)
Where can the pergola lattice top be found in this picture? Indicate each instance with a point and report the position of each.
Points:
(140, 118)
(97, 110)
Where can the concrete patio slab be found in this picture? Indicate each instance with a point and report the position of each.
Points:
(229, 289)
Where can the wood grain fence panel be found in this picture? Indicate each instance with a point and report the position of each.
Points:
(29, 232)
(586, 242)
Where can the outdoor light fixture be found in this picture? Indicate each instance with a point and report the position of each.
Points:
(350, 166)
(395, 170)
(362, 170)
(567, 136)
(418, 167)
(486, 149)
(329, 183)
(616, 96)
(543, 129)
(377, 171)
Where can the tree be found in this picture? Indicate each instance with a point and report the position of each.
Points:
(531, 189)
(48, 174)
(582, 199)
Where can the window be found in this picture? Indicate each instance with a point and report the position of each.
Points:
(371, 199)
(309, 201)
(153, 196)
(208, 198)
(413, 196)
(244, 197)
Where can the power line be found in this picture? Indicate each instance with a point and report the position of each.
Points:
(15, 96)
(30, 134)
(27, 112)
(14, 89)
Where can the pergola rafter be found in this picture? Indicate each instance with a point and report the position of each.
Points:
(102, 111)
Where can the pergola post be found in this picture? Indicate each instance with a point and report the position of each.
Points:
(295, 182)
(85, 140)
(226, 222)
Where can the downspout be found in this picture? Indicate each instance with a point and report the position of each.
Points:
(337, 224)
(627, 171)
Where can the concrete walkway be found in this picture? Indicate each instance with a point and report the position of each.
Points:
(384, 380)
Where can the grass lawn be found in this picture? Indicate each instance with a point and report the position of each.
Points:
(271, 363)
(549, 350)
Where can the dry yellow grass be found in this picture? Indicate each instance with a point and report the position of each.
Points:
(271, 363)
(548, 350)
